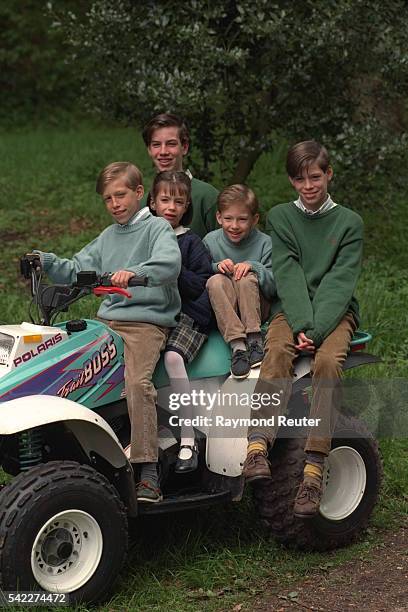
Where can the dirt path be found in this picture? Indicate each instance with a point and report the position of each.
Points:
(374, 584)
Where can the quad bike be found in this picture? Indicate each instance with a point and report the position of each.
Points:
(64, 427)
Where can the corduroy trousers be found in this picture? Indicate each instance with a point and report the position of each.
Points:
(276, 376)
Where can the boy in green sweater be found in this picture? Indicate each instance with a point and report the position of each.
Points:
(240, 293)
(167, 140)
(142, 245)
(317, 249)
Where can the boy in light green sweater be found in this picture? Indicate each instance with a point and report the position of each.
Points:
(137, 244)
(240, 293)
(317, 249)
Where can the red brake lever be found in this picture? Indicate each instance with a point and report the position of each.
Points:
(103, 290)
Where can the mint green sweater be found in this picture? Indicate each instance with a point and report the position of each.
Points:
(256, 249)
(204, 201)
(147, 248)
(316, 261)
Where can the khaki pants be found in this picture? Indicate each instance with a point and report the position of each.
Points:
(143, 343)
(277, 372)
(239, 306)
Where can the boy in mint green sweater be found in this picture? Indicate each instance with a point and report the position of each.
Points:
(240, 293)
(142, 245)
(317, 249)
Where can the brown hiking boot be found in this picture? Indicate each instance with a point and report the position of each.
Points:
(308, 498)
(256, 467)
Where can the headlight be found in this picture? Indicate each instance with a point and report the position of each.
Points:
(6, 346)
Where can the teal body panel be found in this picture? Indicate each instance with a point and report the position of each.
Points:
(88, 367)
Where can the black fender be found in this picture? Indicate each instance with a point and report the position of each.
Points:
(353, 360)
(357, 359)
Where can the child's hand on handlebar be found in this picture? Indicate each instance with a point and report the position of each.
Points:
(121, 278)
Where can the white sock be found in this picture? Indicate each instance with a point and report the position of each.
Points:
(177, 373)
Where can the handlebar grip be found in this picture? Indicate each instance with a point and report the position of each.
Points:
(135, 281)
(138, 281)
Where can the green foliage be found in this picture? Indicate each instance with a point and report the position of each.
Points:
(247, 72)
(35, 78)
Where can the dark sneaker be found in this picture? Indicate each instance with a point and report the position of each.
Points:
(256, 467)
(147, 491)
(256, 354)
(187, 465)
(240, 365)
(308, 498)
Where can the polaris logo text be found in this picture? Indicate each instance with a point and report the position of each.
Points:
(92, 367)
(37, 350)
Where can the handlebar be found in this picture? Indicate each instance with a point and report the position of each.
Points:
(92, 280)
(101, 285)
(53, 299)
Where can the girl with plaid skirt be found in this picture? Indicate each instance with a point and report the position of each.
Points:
(170, 198)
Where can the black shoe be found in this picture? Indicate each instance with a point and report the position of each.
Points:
(187, 465)
(240, 365)
(256, 353)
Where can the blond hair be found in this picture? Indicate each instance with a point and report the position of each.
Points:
(238, 194)
(132, 175)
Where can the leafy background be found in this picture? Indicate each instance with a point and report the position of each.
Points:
(78, 81)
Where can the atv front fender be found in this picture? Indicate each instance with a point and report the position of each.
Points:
(91, 430)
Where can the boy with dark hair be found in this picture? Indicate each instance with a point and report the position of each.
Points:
(316, 259)
(167, 140)
(241, 290)
(142, 245)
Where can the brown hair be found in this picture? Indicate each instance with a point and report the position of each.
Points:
(303, 154)
(238, 194)
(165, 120)
(132, 174)
(178, 183)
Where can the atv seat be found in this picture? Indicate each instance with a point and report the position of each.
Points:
(214, 358)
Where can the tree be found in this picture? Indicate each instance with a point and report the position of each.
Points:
(247, 72)
(34, 77)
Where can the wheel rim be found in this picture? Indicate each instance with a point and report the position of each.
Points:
(344, 483)
(66, 551)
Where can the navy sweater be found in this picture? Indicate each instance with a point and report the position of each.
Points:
(196, 269)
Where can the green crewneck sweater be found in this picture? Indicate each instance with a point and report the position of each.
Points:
(256, 249)
(148, 248)
(204, 201)
(316, 261)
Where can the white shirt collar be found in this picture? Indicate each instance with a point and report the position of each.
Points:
(180, 229)
(328, 204)
(139, 215)
(190, 176)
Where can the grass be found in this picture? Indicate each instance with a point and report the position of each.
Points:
(203, 560)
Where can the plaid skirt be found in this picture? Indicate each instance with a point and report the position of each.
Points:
(185, 339)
